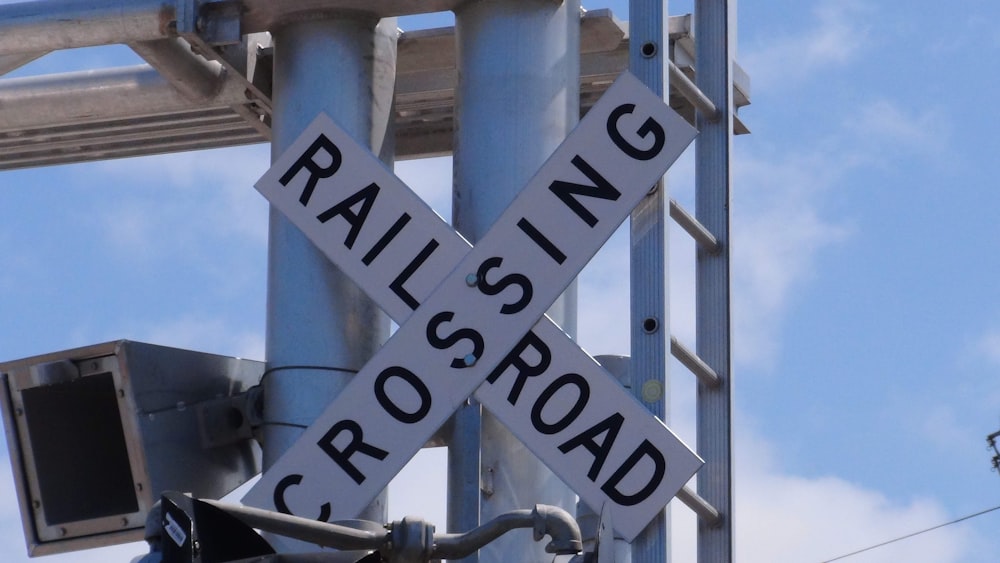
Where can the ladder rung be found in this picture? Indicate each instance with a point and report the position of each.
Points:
(705, 374)
(698, 232)
(700, 506)
(693, 94)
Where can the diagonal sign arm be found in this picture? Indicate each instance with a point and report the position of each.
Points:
(471, 327)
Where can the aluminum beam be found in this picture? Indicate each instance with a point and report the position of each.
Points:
(715, 44)
(115, 113)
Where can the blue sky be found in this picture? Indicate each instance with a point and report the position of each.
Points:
(867, 313)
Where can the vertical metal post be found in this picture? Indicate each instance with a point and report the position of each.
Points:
(715, 24)
(321, 328)
(650, 318)
(516, 100)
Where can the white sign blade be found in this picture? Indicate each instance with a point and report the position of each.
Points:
(396, 248)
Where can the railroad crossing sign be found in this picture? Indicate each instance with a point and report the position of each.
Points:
(481, 328)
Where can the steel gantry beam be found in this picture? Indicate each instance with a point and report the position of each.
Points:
(140, 110)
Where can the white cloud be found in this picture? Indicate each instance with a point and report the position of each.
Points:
(884, 130)
(988, 346)
(195, 194)
(779, 228)
(784, 517)
(835, 37)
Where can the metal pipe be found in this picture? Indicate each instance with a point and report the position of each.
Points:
(698, 232)
(516, 100)
(321, 533)
(194, 77)
(50, 25)
(545, 520)
(700, 369)
(705, 511)
(316, 316)
(120, 93)
(405, 535)
(691, 93)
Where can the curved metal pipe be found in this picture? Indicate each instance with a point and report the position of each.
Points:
(320, 533)
(410, 537)
(545, 520)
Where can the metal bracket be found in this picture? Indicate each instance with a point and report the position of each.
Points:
(214, 31)
(228, 420)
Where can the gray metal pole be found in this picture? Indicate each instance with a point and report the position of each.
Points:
(516, 100)
(649, 59)
(321, 328)
(715, 25)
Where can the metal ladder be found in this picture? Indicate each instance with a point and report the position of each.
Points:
(712, 96)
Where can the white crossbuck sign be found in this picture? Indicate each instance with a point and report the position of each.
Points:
(481, 328)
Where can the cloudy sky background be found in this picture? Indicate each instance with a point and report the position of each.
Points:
(867, 314)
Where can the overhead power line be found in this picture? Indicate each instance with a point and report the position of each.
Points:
(846, 555)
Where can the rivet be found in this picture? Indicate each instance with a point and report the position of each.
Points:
(470, 360)
(472, 280)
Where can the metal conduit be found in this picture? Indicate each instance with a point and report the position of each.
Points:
(50, 25)
(545, 520)
(313, 531)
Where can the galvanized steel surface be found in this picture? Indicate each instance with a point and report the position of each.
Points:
(515, 103)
